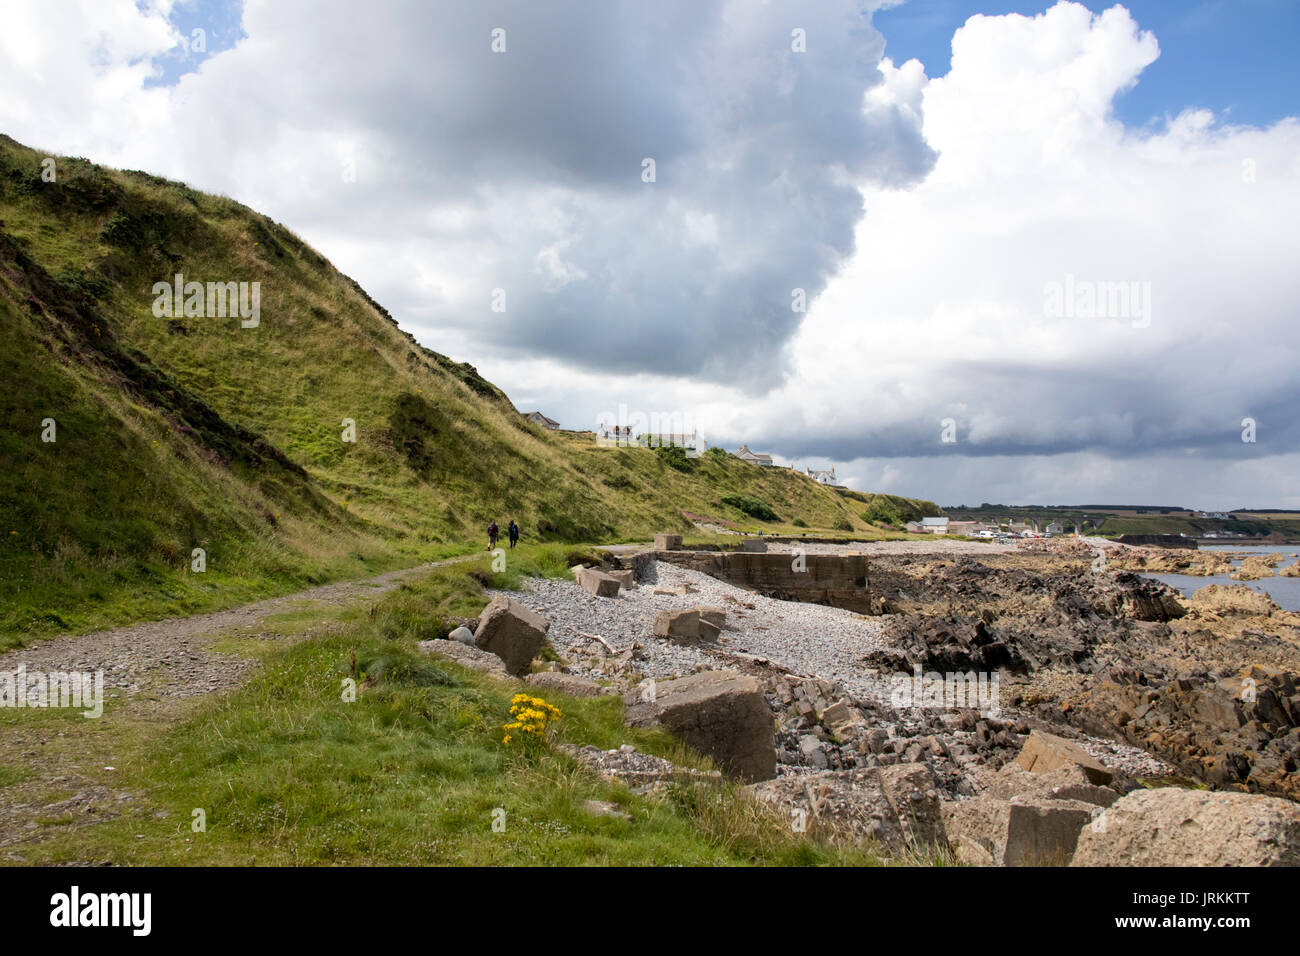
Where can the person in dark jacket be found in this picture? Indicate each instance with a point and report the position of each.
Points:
(493, 533)
(513, 531)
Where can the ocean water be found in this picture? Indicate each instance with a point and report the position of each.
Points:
(1285, 591)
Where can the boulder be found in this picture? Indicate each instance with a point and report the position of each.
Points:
(597, 583)
(1232, 600)
(512, 632)
(1170, 826)
(840, 718)
(753, 546)
(668, 542)
(462, 635)
(1020, 832)
(1043, 752)
(570, 684)
(466, 655)
(720, 713)
(680, 627)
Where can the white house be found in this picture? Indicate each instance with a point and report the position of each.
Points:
(822, 477)
(934, 525)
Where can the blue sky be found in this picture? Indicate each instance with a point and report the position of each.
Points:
(1235, 57)
(220, 22)
(1232, 56)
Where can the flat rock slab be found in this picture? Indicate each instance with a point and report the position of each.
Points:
(1065, 783)
(720, 713)
(1043, 752)
(570, 684)
(467, 656)
(677, 590)
(642, 773)
(1170, 826)
(512, 632)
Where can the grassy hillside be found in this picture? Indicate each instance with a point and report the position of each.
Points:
(192, 432)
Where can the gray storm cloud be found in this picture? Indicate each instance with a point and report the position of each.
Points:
(534, 158)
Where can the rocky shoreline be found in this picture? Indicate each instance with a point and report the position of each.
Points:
(1114, 676)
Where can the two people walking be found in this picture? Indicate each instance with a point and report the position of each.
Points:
(494, 532)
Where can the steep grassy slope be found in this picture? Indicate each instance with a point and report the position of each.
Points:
(184, 432)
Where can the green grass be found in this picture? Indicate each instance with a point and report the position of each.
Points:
(414, 771)
(192, 432)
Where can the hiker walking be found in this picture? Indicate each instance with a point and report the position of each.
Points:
(493, 533)
(513, 531)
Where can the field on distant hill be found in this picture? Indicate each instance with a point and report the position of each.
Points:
(186, 432)
(1129, 519)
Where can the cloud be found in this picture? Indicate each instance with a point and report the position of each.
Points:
(486, 164)
(946, 308)
(963, 241)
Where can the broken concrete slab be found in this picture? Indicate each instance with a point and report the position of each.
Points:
(512, 631)
(720, 713)
(626, 579)
(1016, 832)
(597, 583)
(680, 627)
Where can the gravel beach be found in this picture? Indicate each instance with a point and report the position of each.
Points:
(808, 639)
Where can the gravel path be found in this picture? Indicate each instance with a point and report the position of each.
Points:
(809, 639)
(172, 657)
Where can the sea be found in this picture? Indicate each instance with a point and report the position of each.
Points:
(1285, 591)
